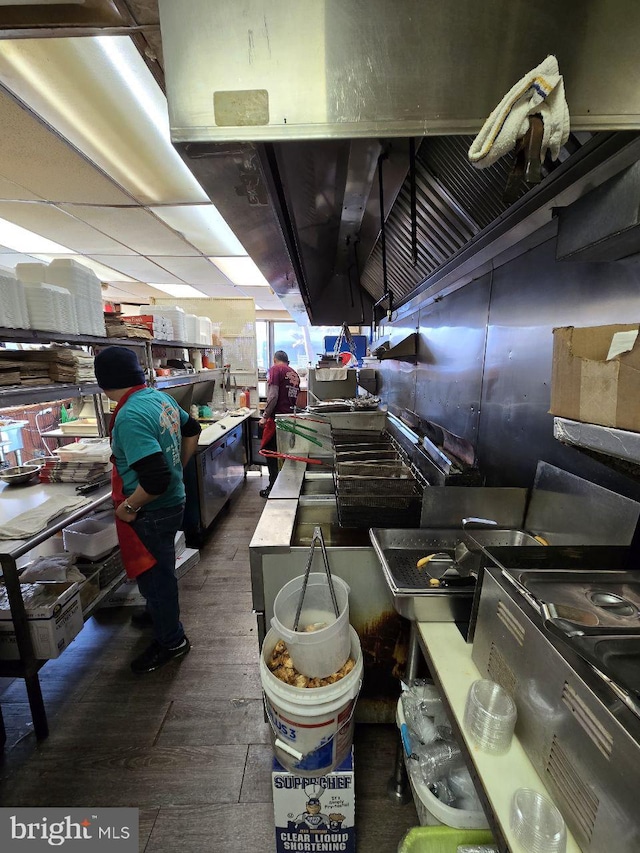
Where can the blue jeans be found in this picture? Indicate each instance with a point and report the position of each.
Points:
(157, 529)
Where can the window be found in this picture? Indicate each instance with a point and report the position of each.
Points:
(262, 343)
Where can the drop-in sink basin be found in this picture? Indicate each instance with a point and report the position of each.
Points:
(322, 512)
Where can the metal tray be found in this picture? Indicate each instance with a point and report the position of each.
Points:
(398, 551)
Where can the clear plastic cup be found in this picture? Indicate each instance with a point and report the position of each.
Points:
(536, 823)
(490, 716)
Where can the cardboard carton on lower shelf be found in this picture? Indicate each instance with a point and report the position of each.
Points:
(53, 626)
(315, 814)
(596, 375)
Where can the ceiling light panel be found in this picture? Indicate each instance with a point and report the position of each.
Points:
(180, 291)
(41, 162)
(99, 94)
(22, 240)
(62, 227)
(139, 268)
(194, 271)
(133, 227)
(241, 271)
(203, 226)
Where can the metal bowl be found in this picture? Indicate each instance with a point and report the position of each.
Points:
(18, 474)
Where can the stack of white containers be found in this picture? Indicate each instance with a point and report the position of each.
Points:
(13, 305)
(176, 318)
(50, 307)
(191, 329)
(205, 329)
(86, 290)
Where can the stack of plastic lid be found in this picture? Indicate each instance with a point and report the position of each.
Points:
(490, 716)
(174, 315)
(85, 287)
(537, 823)
(13, 305)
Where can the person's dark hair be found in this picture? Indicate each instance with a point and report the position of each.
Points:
(280, 355)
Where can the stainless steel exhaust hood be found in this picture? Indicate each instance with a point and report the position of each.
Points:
(308, 92)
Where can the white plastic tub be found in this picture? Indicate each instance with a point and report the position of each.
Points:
(91, 537)
(430, 810)
(312, 728)
(321, 652)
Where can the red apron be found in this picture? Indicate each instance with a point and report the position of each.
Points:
(269, 430)
(135, 556)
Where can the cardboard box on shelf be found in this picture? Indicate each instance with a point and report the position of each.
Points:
(52, 626)
(596, 375)
(314, 814)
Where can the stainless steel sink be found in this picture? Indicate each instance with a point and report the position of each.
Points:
(414, 598)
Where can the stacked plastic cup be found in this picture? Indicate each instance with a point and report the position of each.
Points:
(490, 716)
(536, 823)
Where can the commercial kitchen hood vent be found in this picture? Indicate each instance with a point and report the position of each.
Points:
(454, 202)
(289, 82)
(604, 224)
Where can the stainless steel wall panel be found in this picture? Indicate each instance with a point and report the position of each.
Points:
(530, 296)
(450, 359)
(250, 70)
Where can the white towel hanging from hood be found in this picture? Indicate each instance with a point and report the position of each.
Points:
(540, 91)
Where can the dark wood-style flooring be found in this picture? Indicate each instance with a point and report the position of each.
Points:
(187, 745)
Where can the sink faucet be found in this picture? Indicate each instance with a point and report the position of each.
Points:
(487, 522)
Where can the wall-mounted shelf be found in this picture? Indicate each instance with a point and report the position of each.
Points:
(617, 448)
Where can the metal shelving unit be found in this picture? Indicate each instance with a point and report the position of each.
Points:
(28, 666)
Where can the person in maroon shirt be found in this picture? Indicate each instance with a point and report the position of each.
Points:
(283, 386)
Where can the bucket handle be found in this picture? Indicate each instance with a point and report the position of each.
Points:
(317, 537)
(300, 756)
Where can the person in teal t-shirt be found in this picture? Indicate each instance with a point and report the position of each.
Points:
(152, 439)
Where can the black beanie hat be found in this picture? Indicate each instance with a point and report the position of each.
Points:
(118, 367)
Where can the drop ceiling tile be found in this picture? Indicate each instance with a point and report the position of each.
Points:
(135, 228)
(203, 226)
(41, 162)
(122, 291)
(14, 192)
(139, 268)
(61, 227)
(196, 271)
(220, 291)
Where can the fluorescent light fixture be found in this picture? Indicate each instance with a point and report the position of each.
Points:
(203, 226)
(241, 271)
(180, 291)
(22, 240)
(98, 93)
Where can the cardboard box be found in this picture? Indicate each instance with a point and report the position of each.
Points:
(315, 814)
(52, 627)
(596, 375)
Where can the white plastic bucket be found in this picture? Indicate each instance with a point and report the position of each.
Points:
(320, 653)
(312, 727)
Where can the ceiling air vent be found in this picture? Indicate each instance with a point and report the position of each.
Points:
(572, 791)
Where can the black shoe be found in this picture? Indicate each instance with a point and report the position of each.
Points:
(141, 619)
(156, 656)
(264, 493)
